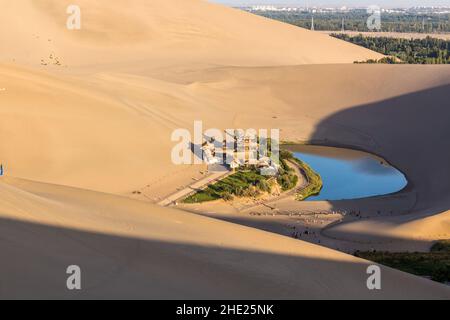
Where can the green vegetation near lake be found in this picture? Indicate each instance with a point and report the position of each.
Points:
(287, 177)
(412, 51)
(315, 183)
(441, 246)
(314, 180)
(242, 183)
(250, 183)
(434, 264)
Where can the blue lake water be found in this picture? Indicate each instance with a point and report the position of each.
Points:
(349, 174)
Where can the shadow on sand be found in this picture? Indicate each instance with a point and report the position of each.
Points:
(411, 131)
(35, 258)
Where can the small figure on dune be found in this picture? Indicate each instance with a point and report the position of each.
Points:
(1, 169)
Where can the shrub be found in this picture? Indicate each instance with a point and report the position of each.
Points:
(227, 196)
(264, 186)
(441, 246)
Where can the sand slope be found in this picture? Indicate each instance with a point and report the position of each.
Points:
(111, 132)
(144, 34)
(424, 228)
(104, 122)
(129, 249)
(84, 132)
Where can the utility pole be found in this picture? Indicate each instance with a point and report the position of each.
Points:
(312, 23)
(343, 25)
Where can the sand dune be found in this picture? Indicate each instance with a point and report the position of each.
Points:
(408, 227)
(102, 120)
(159, 33)
(85, 132)
(131, 249)
(94, 130)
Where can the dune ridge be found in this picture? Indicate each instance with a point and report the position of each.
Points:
(97, 127)
(157, 33)
(407, 227)
(131, 249)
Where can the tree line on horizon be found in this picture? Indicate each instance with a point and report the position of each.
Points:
(356, 21)
(412, 51)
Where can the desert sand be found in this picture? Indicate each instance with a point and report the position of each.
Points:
(157, 34)
(79, 138)
(131, 249)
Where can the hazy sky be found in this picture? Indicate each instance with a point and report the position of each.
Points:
(385, 3)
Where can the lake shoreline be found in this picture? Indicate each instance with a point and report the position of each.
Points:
(308, 220)
(352, 167)
(289, 145)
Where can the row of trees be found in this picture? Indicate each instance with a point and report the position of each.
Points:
(413, 51)
(356, 21)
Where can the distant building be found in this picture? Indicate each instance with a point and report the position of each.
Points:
(235, 164)
(244, 152)
(209, 155)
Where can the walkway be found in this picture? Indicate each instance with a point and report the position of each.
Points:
(301, 184)
(198, 185)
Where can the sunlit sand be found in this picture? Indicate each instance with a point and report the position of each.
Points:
(80, 137)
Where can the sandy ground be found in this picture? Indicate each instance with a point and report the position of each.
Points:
(158, 34)
(102, 121)
(132, 249)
